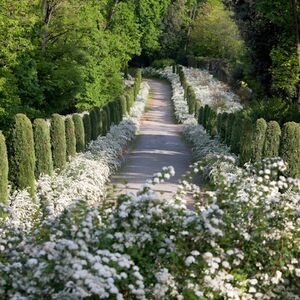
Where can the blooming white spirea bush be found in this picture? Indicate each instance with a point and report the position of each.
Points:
(211, 91)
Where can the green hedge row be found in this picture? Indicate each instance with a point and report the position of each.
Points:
(33, 150)
(254, 141)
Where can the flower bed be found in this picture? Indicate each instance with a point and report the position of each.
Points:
(240, 242)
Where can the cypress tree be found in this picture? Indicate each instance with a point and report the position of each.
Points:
(58, 142)
(87, 128)
(105, 127)
(272, 140)
(219, 123)
(99, 121)
(70, 138)
(246, 139)
(108, 117)
(42, 143)
(223, 126)
(236, 135)
(259, 139)
(200, 116)
(230, 122)
(205, 116)
(94, 124)
(123, 105)
(212, 123)
(22, 162)
(79, 132)
(3, 170)
(290, 148)
(137, 82)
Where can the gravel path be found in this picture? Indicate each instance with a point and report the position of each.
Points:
(158, 144)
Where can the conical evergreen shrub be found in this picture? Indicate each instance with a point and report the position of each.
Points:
(42, 144)
(290, 148)
(223, 126)
(137, 82)
(123, 105)
(105, 126)
(94, 124)
(230, 122)
(79, 132)
(58, 142)
(70, 138)
(22, 156)
(201, 115)
(3, 170)
(259, 139)
(211, 123)
(87, 128)
(272, 140)
(108, 117)
(99, 121)
(206, 116)
(236, 135)
(246, 140)
(219, 123)
(191, 100)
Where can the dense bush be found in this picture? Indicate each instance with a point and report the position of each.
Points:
(42, 144)
(272, 140)
(223, 126)
(94, 124)
(206, 115)
(236, 135)
(191, 100)
(58, 142)
(161, 63)
(211, 123)
(109, 120)
(123, 104)
(79, 132)
(259, 139)
(105, 126)
(201, 115)
(3, 170)
(137, 82)
(70, 137)
(87, 128)
(230, 122)
(22, 156)
(290, 148)
(99, 121)
(246, 140)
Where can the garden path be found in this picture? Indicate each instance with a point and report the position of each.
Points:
(158, 144)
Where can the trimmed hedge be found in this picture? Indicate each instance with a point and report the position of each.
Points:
(94, 124)
(70, 137)
(22, 159)
(58, 142)
(259, 139)
(108, 117)
(290, 148)
(272, 140)
(246, 138)
(87, 128)
(123, 104)
(211, 123)
(223, 126)
(79, 132)
(42, 144)
(230, 122)
(105, 126)
(201, 115)
(137, 82)
(205, 116)
(236, 135)
(3, 170)
(191, 100)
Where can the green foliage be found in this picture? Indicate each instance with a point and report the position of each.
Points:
(94, 124)
(230, 122)
(223, 126)
(246, 140)
(211, 123)
(201, 115)
(87, 128)
(206, 116)
(259, 139)
(137, 82)
(42, 144)
(235, 139)
(70, 138)
(191, 100)
(162, 63)
(99, 121)
(58, 142)
(105, 125)
(22, 156)
(272, 141)
(290, 148)
(3, 170)
(79, 132)
(123, 104)
(215, 34)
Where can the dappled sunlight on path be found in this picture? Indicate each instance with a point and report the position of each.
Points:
(158, 144)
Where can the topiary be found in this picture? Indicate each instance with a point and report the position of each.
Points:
(105, 126)
(290, 148)
(200, 115)
(22, 156)
(58, 142)
(191, 100)
(259, 139)
(108, 117)
(137, 82)
(246, 138)
(87, 128)
(94, 124)
(3, 170)
(223, 126)
(123, 104)
(42, 144)
(236, 135)
(219, 123)
(205, 116)
(212, 123)
(79, 132)
(272, 140)
(230, 122)
(70, 138)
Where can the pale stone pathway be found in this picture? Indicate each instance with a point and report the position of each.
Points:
(158, 144)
